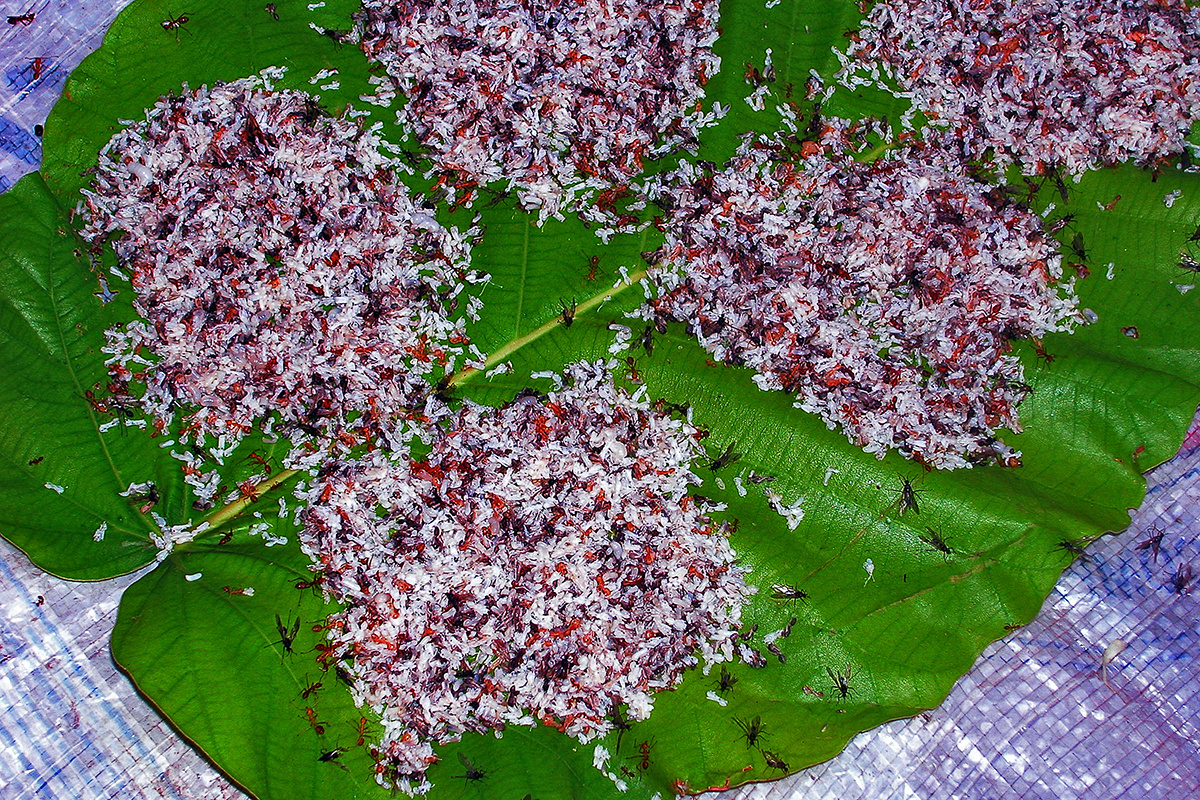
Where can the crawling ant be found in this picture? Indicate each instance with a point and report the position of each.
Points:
(262, 462)
(725, 459)
(841, 681)
(287, 636)
(1152, 544)
(774, 761)
(176, 24)
(33, 462)
(1041, 353)
(317, 726)
(631, 365)
(362, 730)
(726, 680)
(643, 756)
(935, 540)
(312, 687)
(593, 263)
(753, 731)
(567, 315)
(473, 773)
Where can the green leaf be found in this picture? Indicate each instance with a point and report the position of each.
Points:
(893, 617)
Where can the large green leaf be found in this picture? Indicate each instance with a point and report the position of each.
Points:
(212, 657)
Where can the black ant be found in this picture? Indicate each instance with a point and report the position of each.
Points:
(841, 681)
(753, 731)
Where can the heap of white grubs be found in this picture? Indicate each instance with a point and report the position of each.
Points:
(1044, 83)
(279, 267)
(884, 294)
(561, 99)
(543, 563)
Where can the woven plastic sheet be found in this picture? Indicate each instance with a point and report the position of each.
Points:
(1040, 716)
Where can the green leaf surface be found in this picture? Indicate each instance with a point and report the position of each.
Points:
(898, 619)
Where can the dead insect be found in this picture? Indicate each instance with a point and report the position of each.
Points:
(329, 756)
(1074, 546)
(646, 340)
(620, 723)
(786, 631)
(1061, 222)
(935, 540)
(747, 634)
(774, 761)
(753, 731)
(841, 681)
(775, 651)
(786, 591)
(287, 636)
(1153, 544)
(725, 459)
(33, 462)
(726, 680)
(908, 499)
(1181, 578)
(1078, 247)
(270, 9)
(567, 315)
(147, 497)
(1131, 331)
(22, 19)
(753, 478)
(473, 773)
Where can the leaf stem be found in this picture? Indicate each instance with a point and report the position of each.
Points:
(230, 510)
(516, 344)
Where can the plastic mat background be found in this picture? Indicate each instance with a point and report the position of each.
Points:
(1036, 717)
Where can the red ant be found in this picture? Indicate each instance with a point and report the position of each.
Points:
(362, 729)
(319, 727)
(229, 590)
(595, 262)
(262, 462)
(643, 757)
(176, 24)
(312, 687)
